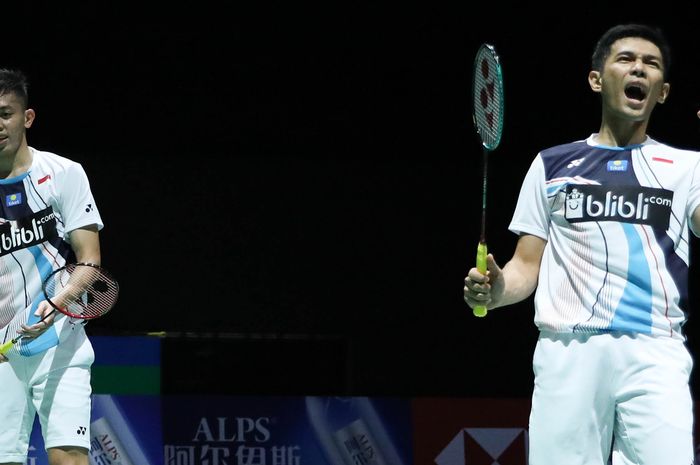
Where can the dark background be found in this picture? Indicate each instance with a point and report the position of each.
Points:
(291, 192)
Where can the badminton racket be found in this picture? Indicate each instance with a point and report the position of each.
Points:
(488, 106)
(79, 290)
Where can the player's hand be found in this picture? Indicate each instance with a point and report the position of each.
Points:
(46, 315)
(484, 290)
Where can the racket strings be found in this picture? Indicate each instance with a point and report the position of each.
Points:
(488, 97)
(82, 291)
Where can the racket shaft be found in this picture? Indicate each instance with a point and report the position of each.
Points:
(481, 253)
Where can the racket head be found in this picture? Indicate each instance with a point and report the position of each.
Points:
(488, 99)
(81, 290)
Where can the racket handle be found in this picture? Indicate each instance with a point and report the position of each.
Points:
(481, 253)
(5, 348)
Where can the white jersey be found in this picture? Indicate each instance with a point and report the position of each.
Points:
(38, 210)
(616, 222)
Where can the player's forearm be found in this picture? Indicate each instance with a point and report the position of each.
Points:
(519, 281)
(519, 277)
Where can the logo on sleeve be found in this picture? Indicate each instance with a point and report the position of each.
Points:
(625, 204)
(13, 199)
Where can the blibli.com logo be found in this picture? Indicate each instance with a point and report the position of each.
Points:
(625, 204)
(27, 231)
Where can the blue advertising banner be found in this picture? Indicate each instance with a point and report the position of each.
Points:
(222, 430)
(227, 430)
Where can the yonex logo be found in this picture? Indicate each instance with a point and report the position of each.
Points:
(630, 204)
(575, 163)
(81, 430)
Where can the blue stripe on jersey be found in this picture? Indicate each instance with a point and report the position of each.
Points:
(620, 149)
(677, 268)
(47, 340)
(554, 188)
(633, 312)
(16, 179)
(50, 337)
(44, 267)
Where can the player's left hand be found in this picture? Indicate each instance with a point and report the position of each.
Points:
(46, 315)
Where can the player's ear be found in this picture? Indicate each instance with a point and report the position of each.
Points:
(29, 116)
(595, 80)
(664, 93)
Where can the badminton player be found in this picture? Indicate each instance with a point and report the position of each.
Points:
(604, 227)
(48, 217)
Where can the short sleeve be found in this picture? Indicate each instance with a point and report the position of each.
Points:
(531, 214)
(78, 207)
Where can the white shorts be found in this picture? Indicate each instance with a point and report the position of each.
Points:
(611, 393)
(56, 385)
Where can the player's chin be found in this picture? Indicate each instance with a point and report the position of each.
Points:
(637, 110)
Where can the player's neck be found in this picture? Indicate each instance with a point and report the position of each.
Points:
(622, 134)
(17, 163)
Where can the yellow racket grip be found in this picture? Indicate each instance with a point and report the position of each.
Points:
(5, 348)
(481, 253)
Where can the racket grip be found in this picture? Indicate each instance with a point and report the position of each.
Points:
(481, 253)
(5, 348)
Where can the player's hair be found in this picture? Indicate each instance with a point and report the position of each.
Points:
(13, 81)
(621, 31)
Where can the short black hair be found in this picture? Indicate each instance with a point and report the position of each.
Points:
(621, 31)
(13, 81)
